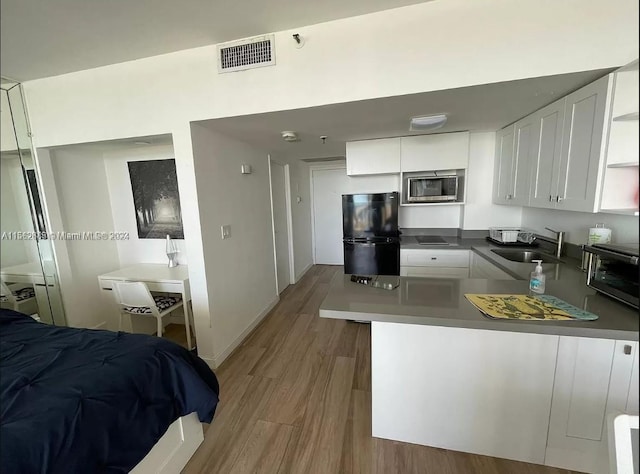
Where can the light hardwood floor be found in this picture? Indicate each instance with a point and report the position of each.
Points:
(296, 398)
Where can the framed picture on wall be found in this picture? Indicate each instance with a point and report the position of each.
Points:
(156, 199)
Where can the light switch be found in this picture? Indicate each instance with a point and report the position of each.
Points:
(225, 231)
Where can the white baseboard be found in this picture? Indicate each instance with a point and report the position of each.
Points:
(303, 272)
(218, 359)
(102, 325)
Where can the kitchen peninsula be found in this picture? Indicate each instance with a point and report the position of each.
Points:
(444, 375)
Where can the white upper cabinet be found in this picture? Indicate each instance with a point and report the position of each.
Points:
(521, 168)
(546, 151)
(558, 153)
(444, 151)
(504, 164)
(583, 146)
(373, 157)
(513, 163)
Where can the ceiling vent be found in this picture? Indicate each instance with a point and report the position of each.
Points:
(246, 54)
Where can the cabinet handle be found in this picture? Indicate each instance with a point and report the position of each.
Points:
(434, 258)
(627, 349)
(550, 198)
(558, 198)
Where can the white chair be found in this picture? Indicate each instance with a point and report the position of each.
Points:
(18, 298)
(621, 443)
(134, 298)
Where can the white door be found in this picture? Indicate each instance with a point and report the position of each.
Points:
(328, 188)
(280, 226)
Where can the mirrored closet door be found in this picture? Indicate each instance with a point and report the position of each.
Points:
(29, 280)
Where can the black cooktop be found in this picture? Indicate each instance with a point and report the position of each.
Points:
(431, 240)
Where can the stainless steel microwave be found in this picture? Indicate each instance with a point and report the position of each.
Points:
(434, 187)
(613, 270)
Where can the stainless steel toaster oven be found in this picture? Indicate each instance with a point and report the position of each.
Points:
(613, 270)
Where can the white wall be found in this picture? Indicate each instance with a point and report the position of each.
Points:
(301, 217)
(135, 250)
(240, 270)
(375, 55)
(480, 213)
(7, 135)
(84, 205)
(624, 229)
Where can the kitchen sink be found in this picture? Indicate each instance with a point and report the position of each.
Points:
(525, 256)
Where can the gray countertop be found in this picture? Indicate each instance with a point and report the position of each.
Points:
(441, 302)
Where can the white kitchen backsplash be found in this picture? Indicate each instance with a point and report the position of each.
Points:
(624, 229)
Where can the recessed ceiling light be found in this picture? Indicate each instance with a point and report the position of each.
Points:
(427, 122)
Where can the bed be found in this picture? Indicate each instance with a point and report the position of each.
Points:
(84, 401)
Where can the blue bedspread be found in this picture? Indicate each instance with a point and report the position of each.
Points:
(85, 401)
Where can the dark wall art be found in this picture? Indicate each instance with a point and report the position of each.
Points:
(156, 199)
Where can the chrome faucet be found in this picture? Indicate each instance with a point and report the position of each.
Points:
(559, 240)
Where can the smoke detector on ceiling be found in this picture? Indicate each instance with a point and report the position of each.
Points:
(289, 136)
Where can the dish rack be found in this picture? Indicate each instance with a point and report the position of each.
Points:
(507, 235)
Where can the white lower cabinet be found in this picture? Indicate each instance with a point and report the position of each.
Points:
(483, 392)
(434, 263)
(435, 272)
(594, 379)
(537, 398)
(482, 268)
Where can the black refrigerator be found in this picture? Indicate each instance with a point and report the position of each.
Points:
(370, 234)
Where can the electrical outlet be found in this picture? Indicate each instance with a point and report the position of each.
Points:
(225, 230)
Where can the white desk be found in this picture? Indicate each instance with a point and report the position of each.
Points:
(31, 273)
(158, 277)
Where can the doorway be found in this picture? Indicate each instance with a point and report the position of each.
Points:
(280, 206)
(328, 187)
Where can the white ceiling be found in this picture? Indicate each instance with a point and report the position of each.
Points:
(480, 108)
(41, 38)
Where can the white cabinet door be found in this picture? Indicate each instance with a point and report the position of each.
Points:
(521, 167)
(482, 268)
(634, 385)
(444, 151)
(504, 165)
(434, 258)
(484, 392)
(435, 272)
(546, 151)
(438, 263)
(582, 158)
(373, 157)
(592, 380)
